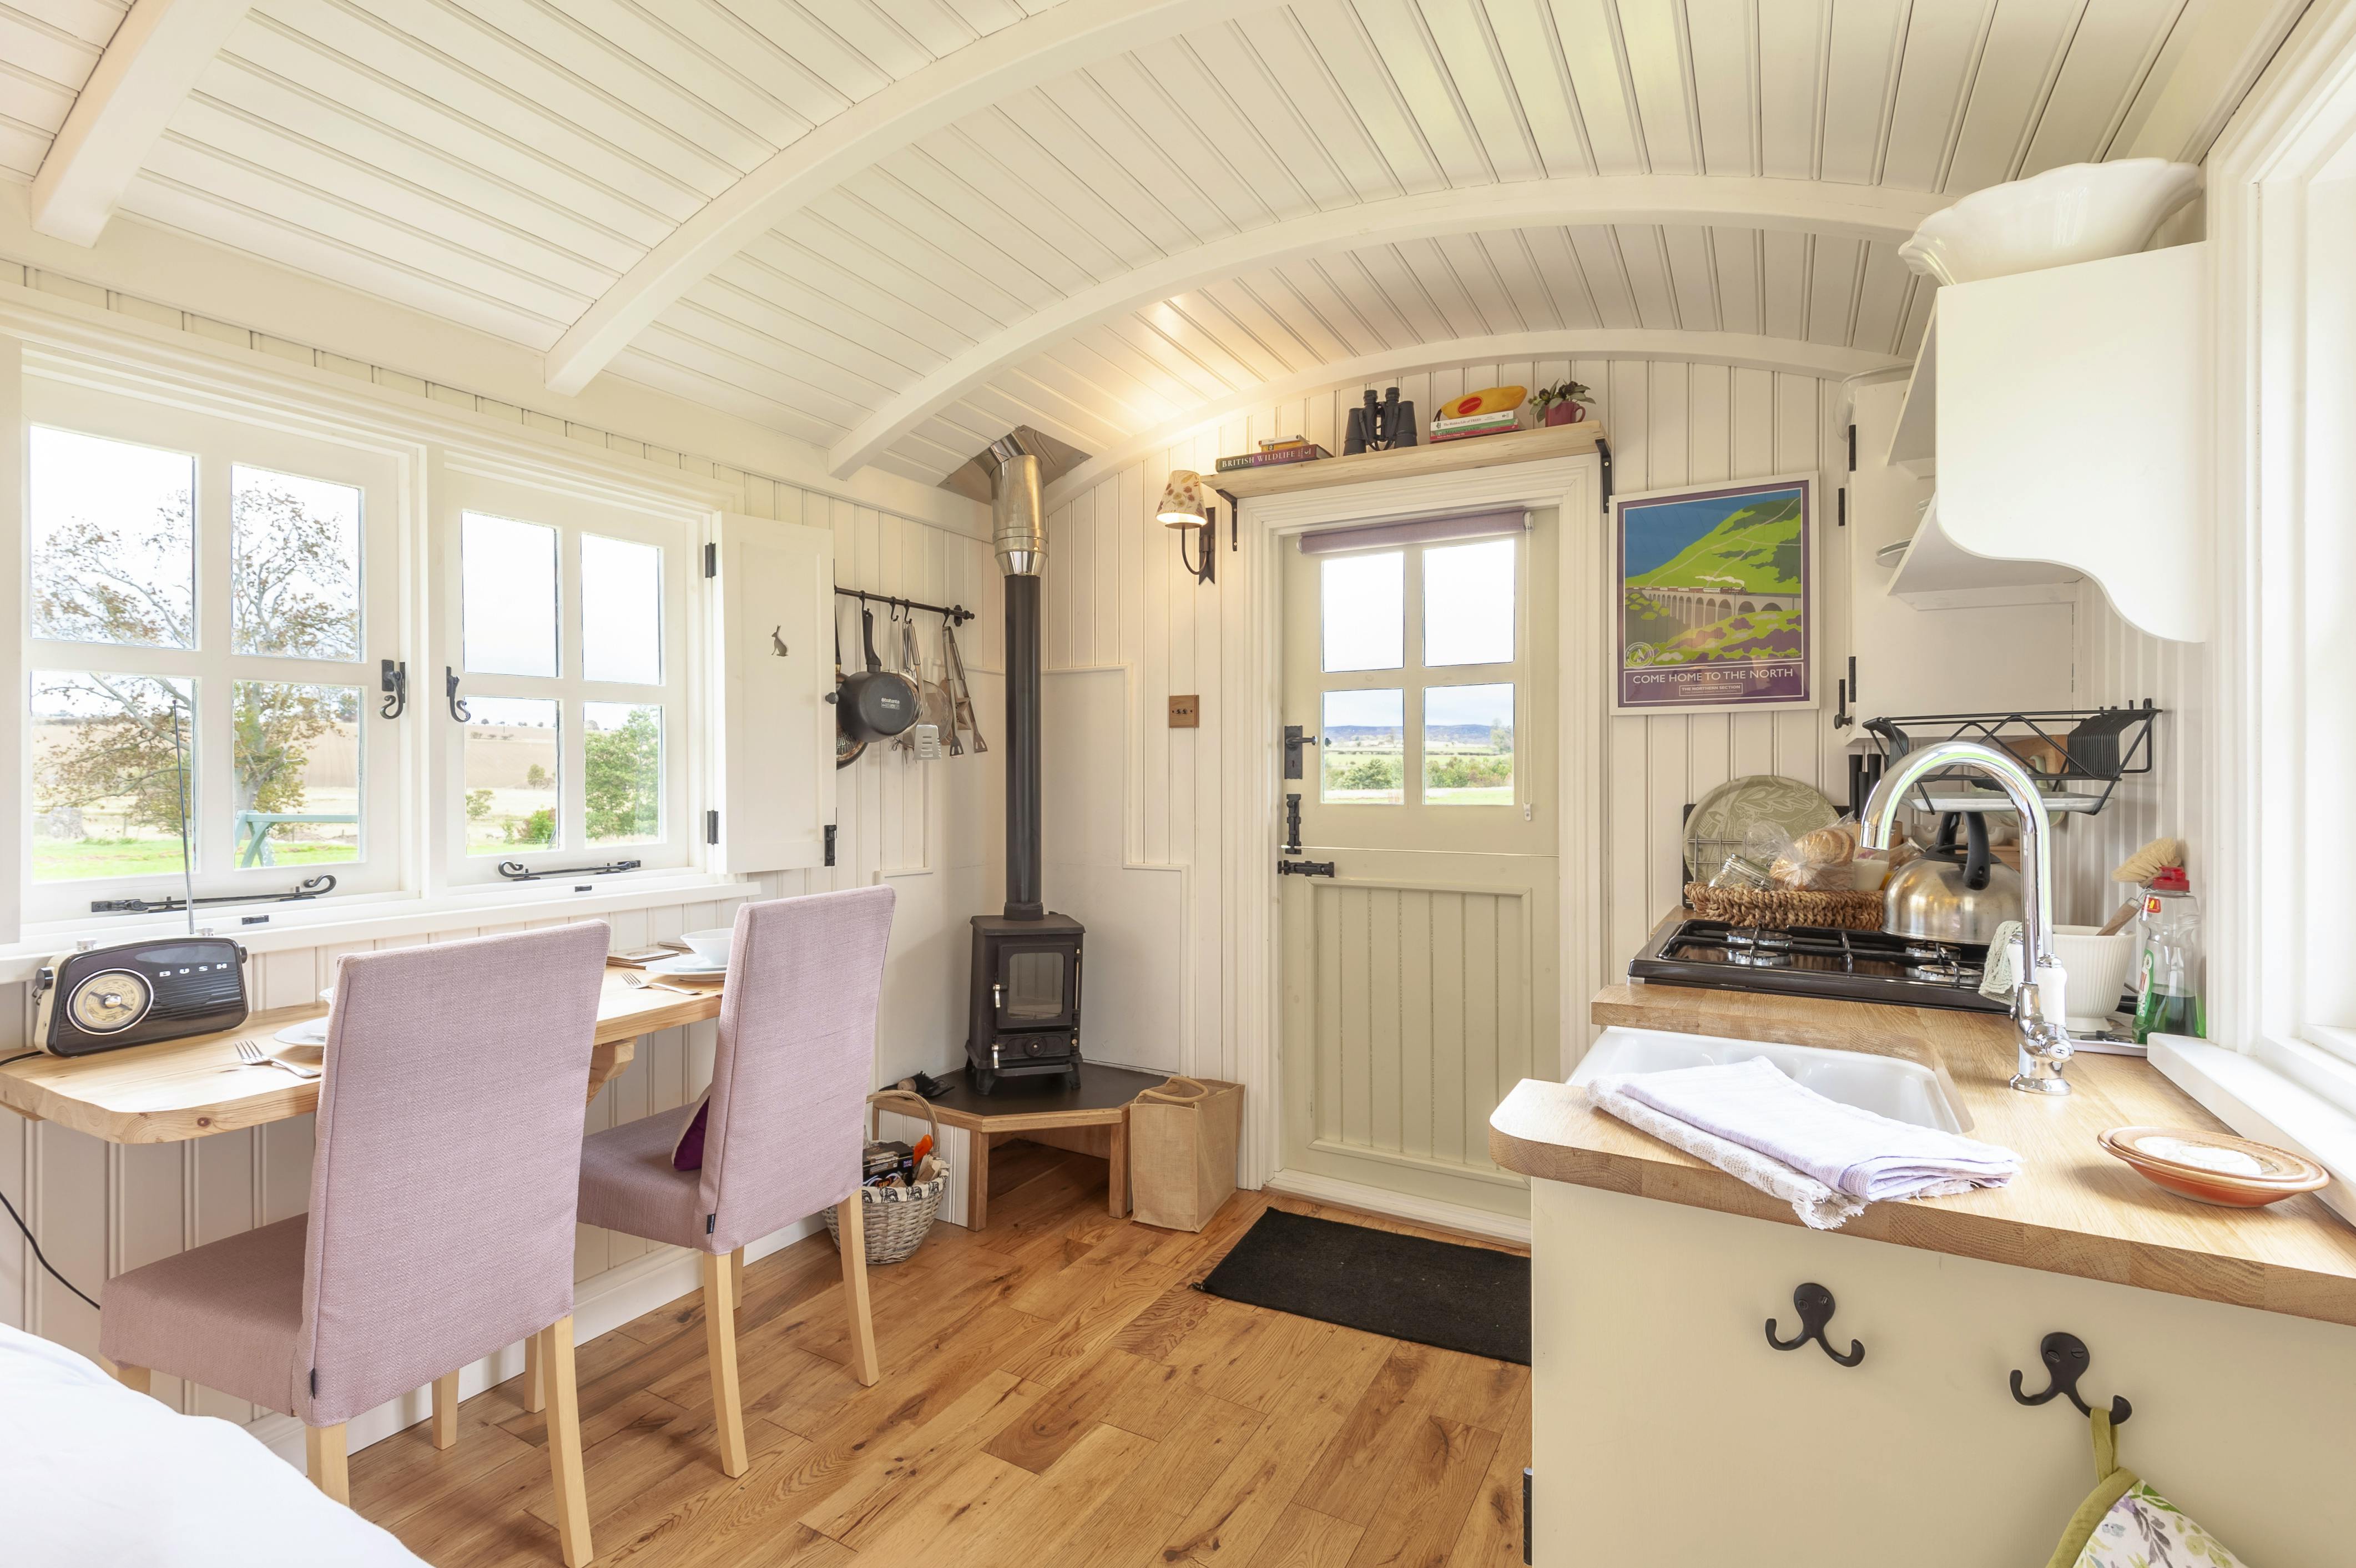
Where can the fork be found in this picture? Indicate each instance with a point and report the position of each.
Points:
(252, 1055)
(637, 982)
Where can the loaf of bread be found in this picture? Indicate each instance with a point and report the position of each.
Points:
(1818, 862)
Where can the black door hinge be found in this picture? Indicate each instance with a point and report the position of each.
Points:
(1843, 495)
(830, 843)
(712, 827)
(1852, 448)
(1529, 1537)
(711, 551)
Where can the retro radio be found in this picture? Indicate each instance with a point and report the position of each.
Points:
(137, 994)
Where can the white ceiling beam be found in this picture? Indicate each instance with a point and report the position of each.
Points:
(1739, 349)
(157, 52)
(1062, 38)
(1870, 213)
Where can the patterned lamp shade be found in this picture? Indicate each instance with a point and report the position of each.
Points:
(1182, 500)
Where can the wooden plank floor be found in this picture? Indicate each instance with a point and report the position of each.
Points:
(1053, 1393)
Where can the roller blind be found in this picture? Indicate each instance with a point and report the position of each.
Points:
(1414, 530)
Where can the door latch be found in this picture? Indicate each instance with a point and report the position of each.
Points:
(1305, 868)
(1292, 821)
(1293, 741)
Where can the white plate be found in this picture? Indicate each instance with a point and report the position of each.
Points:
(687, 966)
(314, 1033)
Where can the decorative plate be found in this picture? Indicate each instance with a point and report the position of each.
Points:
(1728, 812)
(2213, 1167)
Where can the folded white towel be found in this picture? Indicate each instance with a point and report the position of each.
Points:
(1845, 1156)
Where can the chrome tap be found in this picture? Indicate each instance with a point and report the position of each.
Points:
(2039, 1001)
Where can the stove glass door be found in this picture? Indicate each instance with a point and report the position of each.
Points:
(1035, 991)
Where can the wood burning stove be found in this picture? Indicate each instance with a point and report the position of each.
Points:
(1025, 1004)
(1024, 1011)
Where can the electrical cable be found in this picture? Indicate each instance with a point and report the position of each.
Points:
(37, 1255)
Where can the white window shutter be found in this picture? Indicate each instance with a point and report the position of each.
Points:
(776, 751)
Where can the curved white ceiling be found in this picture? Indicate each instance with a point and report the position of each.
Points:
(893, 228)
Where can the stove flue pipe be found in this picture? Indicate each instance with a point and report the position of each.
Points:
(1019, 530)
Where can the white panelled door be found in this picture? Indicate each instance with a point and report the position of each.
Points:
(1420, 972)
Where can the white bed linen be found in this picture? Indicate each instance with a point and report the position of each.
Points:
(94, 1476)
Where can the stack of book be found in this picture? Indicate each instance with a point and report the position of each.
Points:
(1492, 423)
(1292, 450)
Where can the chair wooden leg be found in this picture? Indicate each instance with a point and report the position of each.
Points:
(851, 1220)
(535, 1379)
(1117, 1170)
(720, 1350)
(135, 1379)
(564, 1442)
(445, 1411)
(736, 1278)
(327, 1463)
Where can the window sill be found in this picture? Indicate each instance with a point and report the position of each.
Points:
(2275, 1096)
(372, 919)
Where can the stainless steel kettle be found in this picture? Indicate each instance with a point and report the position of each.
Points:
(1951, 894)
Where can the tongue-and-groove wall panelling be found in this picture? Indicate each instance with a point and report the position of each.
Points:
(1116, 598)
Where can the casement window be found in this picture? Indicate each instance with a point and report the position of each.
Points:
(209, 600)
(565, 627)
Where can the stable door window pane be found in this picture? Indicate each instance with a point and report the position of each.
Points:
(508, 596)
(112, 770)
(621, 611)
(1468, 603)
(294, 572)
(621, 771)
(1363, 601)
(298, 774)
(1468, 746)
(113, 541)
(1363, 750)
(513, 745)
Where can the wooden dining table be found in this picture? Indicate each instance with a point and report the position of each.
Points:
(178, 1090)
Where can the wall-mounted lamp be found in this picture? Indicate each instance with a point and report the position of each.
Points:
(1182, 508)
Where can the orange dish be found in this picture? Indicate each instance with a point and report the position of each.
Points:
(2213, 1167)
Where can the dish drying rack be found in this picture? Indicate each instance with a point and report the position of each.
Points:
(2077, 755)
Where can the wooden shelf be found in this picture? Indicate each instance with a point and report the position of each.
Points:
(1412, 462)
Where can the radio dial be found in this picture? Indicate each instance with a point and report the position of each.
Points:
(109, 1000)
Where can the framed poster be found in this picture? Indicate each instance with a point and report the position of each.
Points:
(1716, 597)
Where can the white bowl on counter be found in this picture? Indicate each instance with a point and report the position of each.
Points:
(2080, 213)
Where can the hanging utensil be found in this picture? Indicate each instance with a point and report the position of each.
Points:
(846, 750)
(959, 690)
(876, 703)
(933, 711)
(945, 714)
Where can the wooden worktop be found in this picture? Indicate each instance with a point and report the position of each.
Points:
(192, 1088)
(2073, 1210)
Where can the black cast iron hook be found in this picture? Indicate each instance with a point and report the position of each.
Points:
(450, 694)
(1815, 1304)
(392, 679)
(2066, 1359)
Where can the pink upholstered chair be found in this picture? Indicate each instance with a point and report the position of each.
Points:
(785, 1122)
(445, 1170)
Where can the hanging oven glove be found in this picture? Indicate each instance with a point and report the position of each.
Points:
(2124, 1523)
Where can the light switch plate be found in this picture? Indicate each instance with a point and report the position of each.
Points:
(1186, 712)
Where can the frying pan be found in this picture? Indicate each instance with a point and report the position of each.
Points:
(876, 704)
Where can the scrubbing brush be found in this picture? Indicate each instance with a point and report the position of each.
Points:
(2137, 870)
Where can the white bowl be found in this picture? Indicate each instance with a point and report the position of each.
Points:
(2080, 213)
(712, 945)
(2097, 968)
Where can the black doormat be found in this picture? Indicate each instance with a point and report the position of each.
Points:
(1402, 1287)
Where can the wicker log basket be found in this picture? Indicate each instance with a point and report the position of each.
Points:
(898, 1219)
(1854, 911)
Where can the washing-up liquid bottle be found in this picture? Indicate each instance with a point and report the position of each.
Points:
(2168, 986)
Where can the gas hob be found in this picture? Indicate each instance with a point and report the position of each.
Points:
(1807, 961)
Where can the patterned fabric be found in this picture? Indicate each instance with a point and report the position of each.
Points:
(444, 1171)
(2143, 1530)
(789, 1081)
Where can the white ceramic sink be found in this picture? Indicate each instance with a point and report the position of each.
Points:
(1887, 1086)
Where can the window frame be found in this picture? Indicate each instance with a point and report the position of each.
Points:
(574, 511)
(221, 439)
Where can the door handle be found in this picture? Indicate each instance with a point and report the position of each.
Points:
(1293, 741)
(1305, 868)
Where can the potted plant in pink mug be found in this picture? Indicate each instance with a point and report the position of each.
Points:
(1559, 405)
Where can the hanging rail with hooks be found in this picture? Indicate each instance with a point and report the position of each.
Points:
(957, 614)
